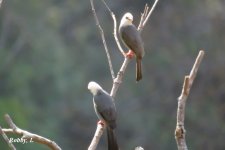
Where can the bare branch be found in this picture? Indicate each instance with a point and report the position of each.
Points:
(145, 16)
(11, 146)
(10, 122)
(118, 80)
(29, 136)
(115, 29)
(196, 66)
(97, 136)
(188, 81)
(103, 39)
(150, 12)
(185, 86)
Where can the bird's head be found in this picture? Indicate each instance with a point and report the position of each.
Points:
(94, 87)
(127, 18)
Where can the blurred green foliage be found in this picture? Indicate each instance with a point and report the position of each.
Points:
(50, 50)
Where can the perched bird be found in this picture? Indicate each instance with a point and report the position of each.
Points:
(132, 39)
(106, 111)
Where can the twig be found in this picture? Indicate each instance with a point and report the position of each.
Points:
(188, 81)
(11, 146)
(29, 136)
(115, 29)
(103, 39)
(145, 16)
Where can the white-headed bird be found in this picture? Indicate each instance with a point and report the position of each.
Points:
(106, 111)
(132, 39)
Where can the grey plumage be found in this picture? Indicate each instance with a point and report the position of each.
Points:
(105, 108)
(132, 39)
(106, 111)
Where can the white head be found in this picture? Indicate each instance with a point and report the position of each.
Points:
(94, 87)
(127, 19)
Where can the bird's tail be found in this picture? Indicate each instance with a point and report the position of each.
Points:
(138, 69)
(112, 142)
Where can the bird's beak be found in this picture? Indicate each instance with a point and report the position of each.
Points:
(129, 19)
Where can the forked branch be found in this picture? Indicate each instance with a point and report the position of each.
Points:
(28, 136)
(115, 29)
(146, 15)
(5, 137)
(188, 81)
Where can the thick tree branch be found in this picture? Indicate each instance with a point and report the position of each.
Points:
(188, 81)
(29, 136)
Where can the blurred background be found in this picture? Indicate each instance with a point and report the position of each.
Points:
(50, 50)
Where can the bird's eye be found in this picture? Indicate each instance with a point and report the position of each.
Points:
(127, 17)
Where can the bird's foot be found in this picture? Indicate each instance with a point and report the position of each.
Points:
(101, 123)
(130, 54)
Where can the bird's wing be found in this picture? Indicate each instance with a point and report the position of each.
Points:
(105, 108)
(109, 116)
(131, 37)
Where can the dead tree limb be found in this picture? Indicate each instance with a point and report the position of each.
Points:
(188, 81)
(98, 133)
(115, 29)
(5, 137)
(28, 135)
(146, 15)
(118, 80)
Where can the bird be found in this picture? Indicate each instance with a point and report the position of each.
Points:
(132, 40)
(106, 111)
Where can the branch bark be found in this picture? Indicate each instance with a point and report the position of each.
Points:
(98, 133)
(188, 81)
(146, 15)
(28, 135)
(115, 29)
(5, 137)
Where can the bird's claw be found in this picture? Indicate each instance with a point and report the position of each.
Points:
(101, 123)
(130, 54)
